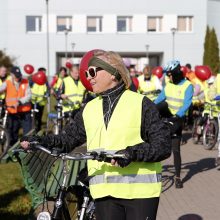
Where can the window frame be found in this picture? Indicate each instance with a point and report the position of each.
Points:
(128, 24)
(98, 24)
(68, 23)
(189, 21)
(158, 23)
(37, 23)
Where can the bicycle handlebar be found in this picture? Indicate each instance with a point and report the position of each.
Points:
(91, 155)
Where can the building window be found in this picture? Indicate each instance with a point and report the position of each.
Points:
(64, 23)
(124, 24)
(154, 24)
(33, 23)
(94, 24)
(185, 23)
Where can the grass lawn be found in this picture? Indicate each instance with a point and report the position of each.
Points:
(15, 202)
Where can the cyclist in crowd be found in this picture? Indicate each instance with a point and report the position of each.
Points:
(39, 95)
(190, 74)
(18, 103)
(3, 76)
(149, 85)
(58, 80)
(203, 119)
(72, 91)
(134, 80)
(121, 121)
(173, 103)
(214, 94)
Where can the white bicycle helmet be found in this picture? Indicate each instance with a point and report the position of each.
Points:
(171, 65)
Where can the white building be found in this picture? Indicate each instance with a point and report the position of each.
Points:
(140, 30)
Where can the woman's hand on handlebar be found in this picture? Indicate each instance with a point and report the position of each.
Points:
(25, 141)
(122, 161)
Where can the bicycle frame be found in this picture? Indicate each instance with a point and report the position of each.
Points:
(60, 207)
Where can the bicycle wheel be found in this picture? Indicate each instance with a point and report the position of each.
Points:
(195, 135)
(4, 141)
(210, 134)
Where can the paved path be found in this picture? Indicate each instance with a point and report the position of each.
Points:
(200, 197)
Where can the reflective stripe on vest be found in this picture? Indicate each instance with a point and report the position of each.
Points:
(175, 95)
(138, 179)
(12, 96)
(74, 93)
(38, 94)
(132, 178)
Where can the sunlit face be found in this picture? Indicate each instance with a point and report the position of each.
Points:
(62, 73)
(102, 80)
(3, 72)
(75, 73)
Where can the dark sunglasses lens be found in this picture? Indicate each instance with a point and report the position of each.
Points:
(92, 72)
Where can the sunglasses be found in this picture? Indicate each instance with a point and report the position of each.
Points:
(92, 72)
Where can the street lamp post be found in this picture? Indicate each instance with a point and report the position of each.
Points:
(48, 51)
(66, 31)
(73, 46)
(173, 30)
(47, 40)
(147, 53)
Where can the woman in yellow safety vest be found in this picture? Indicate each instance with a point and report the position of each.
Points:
(173, 103)
(118, 120)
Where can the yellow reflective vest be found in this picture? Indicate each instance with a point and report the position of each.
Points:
(215, 108)
(147, 87)
(74, 93)
(57, 85)
(138, 179)
(175, 95)
(2, 95)
(38, 93)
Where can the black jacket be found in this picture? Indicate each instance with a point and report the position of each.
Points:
(155, 134)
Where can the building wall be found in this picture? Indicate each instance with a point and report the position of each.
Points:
(31, 47)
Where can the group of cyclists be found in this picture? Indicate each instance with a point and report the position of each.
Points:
(204, 94)
(115, 119)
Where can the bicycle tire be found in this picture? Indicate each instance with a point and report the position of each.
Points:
(195, 135)
(4, 141)
(210, 134)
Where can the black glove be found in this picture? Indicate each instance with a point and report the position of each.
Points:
(129, 157)
(31, 138)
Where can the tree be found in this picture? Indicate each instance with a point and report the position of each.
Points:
(211, 50)
(214, 55)
(206, 47)
(5, 60)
